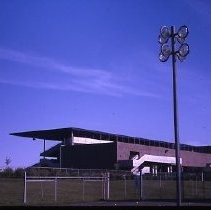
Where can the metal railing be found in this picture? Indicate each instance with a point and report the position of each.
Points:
(104, 179)
(83, 185)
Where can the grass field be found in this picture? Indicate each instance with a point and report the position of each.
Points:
(71, 191)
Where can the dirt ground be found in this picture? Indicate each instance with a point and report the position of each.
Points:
(141, 203)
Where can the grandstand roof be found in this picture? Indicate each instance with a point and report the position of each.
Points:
(62, 133)
(53, 134)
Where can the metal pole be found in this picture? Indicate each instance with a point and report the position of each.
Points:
(42, 191)
(108, 186)
(83, 189)
(176, 130)
(104, 193)
(160, 185)
(102, 188)
(60, 157)
(141, 183)
(203, 182)
(125, 184)
(55, 189)
(44, 149)
(196, 191)
(24, 199)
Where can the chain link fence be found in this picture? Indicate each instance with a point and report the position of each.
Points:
(65, 186)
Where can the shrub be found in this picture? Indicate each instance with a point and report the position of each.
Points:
(19, 172)
(7, 172)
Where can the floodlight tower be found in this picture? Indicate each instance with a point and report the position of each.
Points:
(176, 38)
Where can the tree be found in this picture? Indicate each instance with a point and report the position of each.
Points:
(19, 172)
(7, 161)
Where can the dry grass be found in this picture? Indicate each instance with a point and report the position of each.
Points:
(11, 191)
(71, 191)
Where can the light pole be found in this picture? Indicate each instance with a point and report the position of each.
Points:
(177, 40)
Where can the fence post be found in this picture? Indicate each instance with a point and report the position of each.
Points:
(55, 189)
(104, 187)
(108, 185)
(183, 186)
(42, 190)
(160, 185)
(141, 183)
(196, 186)
(192, 186)
(24, 199)
(83, 189)
(203, 187)
(125, 185)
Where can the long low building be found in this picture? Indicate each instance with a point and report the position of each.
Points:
(81, 148)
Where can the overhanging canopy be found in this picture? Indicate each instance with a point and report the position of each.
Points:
(63, 133)
(53, 134)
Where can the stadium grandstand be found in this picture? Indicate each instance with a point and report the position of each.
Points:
(89, 149)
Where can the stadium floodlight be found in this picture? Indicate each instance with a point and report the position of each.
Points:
(162, 40)
(183, 32)
(163, 58)
(165, 32)
(166, 50)
(184, 50)
(180, 57)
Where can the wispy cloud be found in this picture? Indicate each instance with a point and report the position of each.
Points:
(79, 79)
(202, 7)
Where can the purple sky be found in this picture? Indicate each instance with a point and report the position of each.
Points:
(93, 64)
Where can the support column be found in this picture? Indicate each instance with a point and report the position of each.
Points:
(156, 170)
(44, 149)
(153, 171)
(69, 140)
(60, 155)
